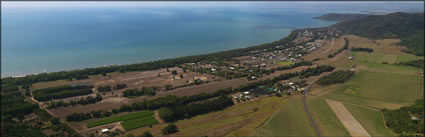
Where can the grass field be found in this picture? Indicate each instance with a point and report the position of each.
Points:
(120, 118)
(325, 119)
(407, 58)
(237, 120)
(138, 122)
(379, 67)
(291, 120)
(371, 120)
(375, 57)
(382, 86)
(285, 63)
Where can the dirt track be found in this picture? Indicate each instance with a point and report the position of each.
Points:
(350, 123)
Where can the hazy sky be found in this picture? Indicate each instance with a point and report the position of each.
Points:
(109, 4)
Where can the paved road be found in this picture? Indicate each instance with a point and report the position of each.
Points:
(350, 123)
(308, 113)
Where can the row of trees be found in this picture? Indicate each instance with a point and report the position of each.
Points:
(340, 50)
(144, 91)
(339, 76)
(194, 109)
(104, 88)
(60, 92)
(82, 101)
(110, 88)
(120, 86)
(414, 63)
(362, 49)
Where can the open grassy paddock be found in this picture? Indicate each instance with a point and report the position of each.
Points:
(382, 86)
(371, 120)
(291, 120)
(130, 116)
(285, 63)
(325, 119)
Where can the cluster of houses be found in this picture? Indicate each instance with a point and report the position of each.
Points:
(312, 39)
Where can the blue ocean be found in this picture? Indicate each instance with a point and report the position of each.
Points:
(36, 40)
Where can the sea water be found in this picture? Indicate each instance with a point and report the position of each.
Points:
(57, 39)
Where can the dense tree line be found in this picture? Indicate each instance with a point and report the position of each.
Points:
(104, 88)
(78, 116)
(5, 87)
(336, 77)
(408, 27)
(171, 101)
(194, 109)
(16, 106)
(144, 91)
(400, 120)
(361, 49)
(82, 101)
(345, 47)
(414, 63)
(60, 92)
(12, 128)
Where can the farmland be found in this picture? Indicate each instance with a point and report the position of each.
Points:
(126, 117)
(138, 122)
(325, 118)
(237, 120)
(291, 120)
(370, 119)
(382, 86)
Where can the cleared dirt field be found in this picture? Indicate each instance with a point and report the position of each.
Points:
(350, 123)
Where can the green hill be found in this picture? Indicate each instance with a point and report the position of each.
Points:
(409, 27)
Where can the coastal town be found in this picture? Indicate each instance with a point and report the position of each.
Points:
(324, 81)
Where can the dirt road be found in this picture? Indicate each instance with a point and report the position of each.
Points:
(350, 123)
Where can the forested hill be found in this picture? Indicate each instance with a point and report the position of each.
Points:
(341, 17)
(409, 27)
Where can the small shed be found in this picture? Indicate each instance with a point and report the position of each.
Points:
(415, 118)
(105, 130)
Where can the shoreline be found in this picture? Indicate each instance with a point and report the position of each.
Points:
(161, 59)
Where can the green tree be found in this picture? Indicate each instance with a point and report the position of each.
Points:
(166, 114)
(174, 72)
(169, 129)
(146, 134)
